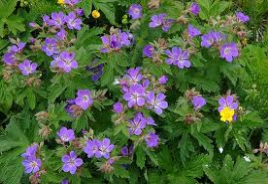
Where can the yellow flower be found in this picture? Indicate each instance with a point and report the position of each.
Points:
(227, 114)
(61, 2)
(95, 14)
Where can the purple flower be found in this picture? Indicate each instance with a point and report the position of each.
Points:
(57, 19)
(46, 19)
(178, 57)
(69, 108)
(115, 42)
(229, 102)
(96, 70)
(135, 96)
(65, 181)
(157, 20)
(124, 38)
(50, 46)
(137, 124)
(134, 76)
(83, 99)
(66, 135)
(229, 51)
(31, 164)
(163, 79)
(148, 51)
(198, 102)
(157, 102)
(30, 151)
(127, 151)
(195, 8)
(91, 148)
(18, 47)
(62, 34)
(241, 17)
(152, 140)
(150, 121)
(72, 2)
(192, 31)
(54, 62)
(9, 58)
(71, 162)
(67, 62)
(135, 11)
(167, 24)
(33, 25)
(212, 38)
(72, 21)
(79, 12)
(118, 107)
(27, 68)
(104, 148)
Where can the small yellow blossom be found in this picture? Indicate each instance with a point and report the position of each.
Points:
(227, 114)
(95, 14)
(61, 1)
(244, 41)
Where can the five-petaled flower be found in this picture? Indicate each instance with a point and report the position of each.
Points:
(71, 162)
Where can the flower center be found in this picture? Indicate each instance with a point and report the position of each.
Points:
(33, 164)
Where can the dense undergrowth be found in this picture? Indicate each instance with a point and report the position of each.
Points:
(133, 91)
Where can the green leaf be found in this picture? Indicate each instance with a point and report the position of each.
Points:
(31, 98)
(164, 159)
(108, 74)
(141, 157)
(15, 24)
(55, 92)
(204, 141)
(86, 5)
(7, 7)
(81, 123)
(108, 8)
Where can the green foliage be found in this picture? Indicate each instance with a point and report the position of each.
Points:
(238, 172)
(194, 145)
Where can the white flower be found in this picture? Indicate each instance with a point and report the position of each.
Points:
(116, 81)
(220, 149)
(246, 158)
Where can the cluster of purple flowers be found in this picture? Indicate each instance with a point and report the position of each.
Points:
(71, 162)
(10, 58)
(135, 11)
(81, 103)
(59, 20)
(161, 20)
(55, 46)
(228, 51)
(137, 92)
(115, 41)
(31, 163)
(212, 38)
(98, 148)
